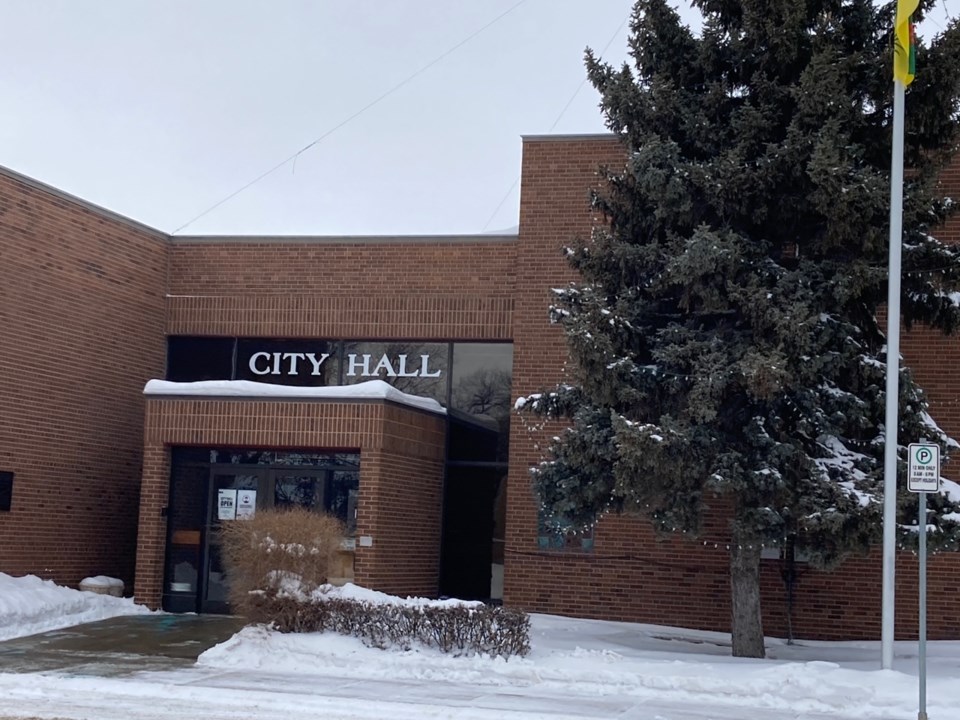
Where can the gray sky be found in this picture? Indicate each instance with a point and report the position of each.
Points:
(158, 110)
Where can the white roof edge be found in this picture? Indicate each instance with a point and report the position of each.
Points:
(369, 390)
(342, 239)
(569, 137)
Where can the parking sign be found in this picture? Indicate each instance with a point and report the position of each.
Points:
(923, 473)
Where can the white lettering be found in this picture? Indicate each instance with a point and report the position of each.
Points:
(424, 371)
(276, 364)
(402, 372)
(353, 365)
(253, 363)
(316, 363)
(384, 364)
(293, 361)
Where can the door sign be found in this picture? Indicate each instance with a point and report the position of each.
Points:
(226, 504)
(246, 503)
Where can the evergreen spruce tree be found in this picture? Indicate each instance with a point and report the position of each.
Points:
(727, 326)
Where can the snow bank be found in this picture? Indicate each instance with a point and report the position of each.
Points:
(29, 605)
(605, 659)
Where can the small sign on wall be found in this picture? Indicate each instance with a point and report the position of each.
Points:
(246, 503)
(6, 490)
(226, 504)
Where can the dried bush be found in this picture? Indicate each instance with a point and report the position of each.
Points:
(458, 629)
(278, 547)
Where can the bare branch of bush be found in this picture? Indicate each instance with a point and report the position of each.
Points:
(292, 547)
(456, 629)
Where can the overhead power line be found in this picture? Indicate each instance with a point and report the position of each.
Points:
(358, 113)
(583, 81)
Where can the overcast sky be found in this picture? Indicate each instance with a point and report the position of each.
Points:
(159, 110)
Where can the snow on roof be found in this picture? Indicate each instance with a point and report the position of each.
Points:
(369, 390)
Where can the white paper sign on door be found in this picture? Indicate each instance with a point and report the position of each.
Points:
(246, 503)
(226, 504)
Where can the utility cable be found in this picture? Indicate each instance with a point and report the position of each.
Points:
(355, 115)
(566, 107)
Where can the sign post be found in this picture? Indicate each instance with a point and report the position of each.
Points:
(923, 476)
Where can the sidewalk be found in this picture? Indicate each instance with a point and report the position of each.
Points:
(119, 646)
(195, 692)
(143, 668)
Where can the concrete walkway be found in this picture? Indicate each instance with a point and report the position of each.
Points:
(119, 646)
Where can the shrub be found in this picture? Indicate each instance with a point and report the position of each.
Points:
(466, 629)
(275, 548)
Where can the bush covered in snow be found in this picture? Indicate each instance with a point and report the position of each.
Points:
(452, 627)
(262, 551)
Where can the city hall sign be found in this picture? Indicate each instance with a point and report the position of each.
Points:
(355, 364)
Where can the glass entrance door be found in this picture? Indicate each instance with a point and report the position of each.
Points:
(210, 487)
(232, 496)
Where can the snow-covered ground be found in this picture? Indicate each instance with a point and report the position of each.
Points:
(576, 669)
(29, 605)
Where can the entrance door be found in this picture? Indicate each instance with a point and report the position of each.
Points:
(230, 497)
(298, 488)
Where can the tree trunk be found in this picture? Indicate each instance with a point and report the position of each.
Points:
(746, 624)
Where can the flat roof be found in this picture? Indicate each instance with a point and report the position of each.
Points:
(569, 137)
(340, 239)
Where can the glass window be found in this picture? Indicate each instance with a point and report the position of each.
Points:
(418, 368)
(480, 405)
(482, 374)
(188, 489)
(303, 363)
(199, 358)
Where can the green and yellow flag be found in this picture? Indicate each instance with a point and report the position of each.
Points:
(904, 45)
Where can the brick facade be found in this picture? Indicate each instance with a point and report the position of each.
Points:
(80, 284)
(401, 476)
(430, 288)
(81, 331)
(631, 574)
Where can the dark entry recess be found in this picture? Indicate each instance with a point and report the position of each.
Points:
(472, 552)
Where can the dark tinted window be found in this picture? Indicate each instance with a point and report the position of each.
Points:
(480, 401)
(475, 438)
(418, 368)
(482, 374)
(303, 363)
(199, 358)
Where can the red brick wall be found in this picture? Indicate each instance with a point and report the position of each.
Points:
(81, 330)
(322, 288)
(950, 187)
(631, 574)
(401, 474)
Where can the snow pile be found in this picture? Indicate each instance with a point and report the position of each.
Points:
(101, 581)
(605, 659)
(349, 591)
(609, 658)
(576, 669)
(29, 605)
(369, 390)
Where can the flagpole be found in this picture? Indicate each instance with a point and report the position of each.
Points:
(891, 421)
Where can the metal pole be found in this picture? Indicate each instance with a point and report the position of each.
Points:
(922, 715)
(893, 382)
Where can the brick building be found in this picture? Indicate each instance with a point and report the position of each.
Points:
(101, 477)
